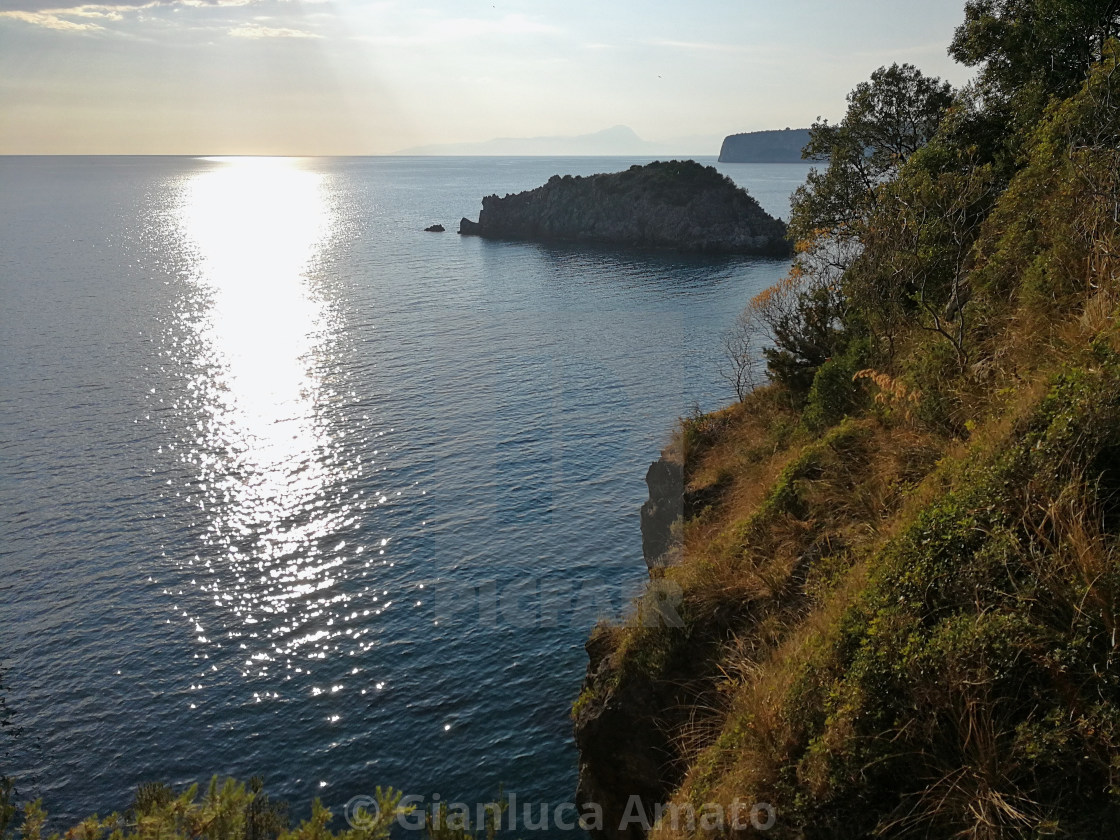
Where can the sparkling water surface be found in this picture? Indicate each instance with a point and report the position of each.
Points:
(293, 488)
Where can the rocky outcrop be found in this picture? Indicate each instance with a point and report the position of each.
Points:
(628, 720)
(679, 205)
(765, 146)
(435, 229)
(665, 479)
(669, 501)
(625, 750)
(645, 679)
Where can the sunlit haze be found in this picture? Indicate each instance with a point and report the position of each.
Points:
(283, 77)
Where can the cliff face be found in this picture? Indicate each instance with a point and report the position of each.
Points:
(625, 746)
(665, 480)
(765, 146)
(679, 205)
(640, 687)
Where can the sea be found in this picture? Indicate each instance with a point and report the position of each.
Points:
(292, 488)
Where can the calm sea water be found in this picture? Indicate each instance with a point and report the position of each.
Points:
(292, 488)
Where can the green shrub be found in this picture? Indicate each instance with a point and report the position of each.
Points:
(834, 393)
(229, 810)
(974, 669)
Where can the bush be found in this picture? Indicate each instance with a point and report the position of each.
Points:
(835, 393)
(970, 684)
(229, 810)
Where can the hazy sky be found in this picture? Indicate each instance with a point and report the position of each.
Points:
(374, 76)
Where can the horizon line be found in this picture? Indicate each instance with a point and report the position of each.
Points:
(357, 155)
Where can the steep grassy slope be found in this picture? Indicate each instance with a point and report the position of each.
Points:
(901, 605)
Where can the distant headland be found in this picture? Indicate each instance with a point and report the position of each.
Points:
(679, 205)
(765, 146)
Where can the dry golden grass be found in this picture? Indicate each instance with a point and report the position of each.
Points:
(798, 568)
(754, 739)
(737, 747)
(794, 578)
(745, 435)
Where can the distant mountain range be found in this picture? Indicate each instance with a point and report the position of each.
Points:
(617, 140)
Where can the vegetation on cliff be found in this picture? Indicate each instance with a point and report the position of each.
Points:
(901, 597)
(675, 204)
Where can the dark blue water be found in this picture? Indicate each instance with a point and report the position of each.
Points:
(292, 488)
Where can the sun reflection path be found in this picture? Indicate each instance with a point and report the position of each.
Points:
(257, 224)
(271, 477)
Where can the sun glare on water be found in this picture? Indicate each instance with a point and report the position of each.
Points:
(257, 224)
(270, 474)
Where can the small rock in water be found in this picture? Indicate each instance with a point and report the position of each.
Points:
(435, 229)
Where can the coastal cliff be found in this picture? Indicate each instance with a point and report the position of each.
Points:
(677, 205)
(665, 480)
(896, 566)
(764, 146)
(636, 701)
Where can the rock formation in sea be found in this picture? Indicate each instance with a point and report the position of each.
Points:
(436, 228)
(668, 502)
(677, 205)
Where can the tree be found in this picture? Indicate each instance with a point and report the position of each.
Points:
(1056, 232)
(889, 118)
(793, 325)
(918, 248)
(741, 366)
(1032, 50)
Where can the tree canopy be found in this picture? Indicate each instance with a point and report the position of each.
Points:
(889, 118)
(1030, 50)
